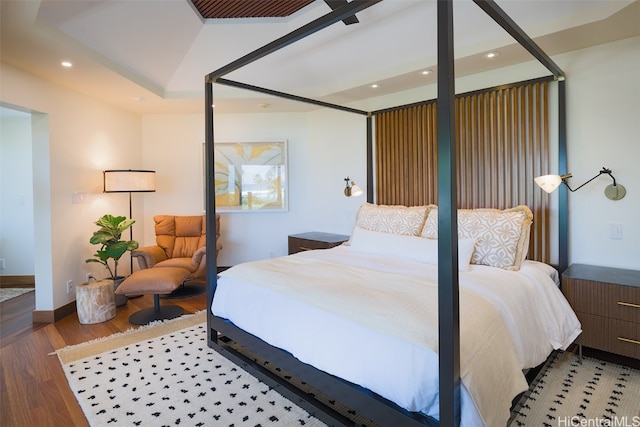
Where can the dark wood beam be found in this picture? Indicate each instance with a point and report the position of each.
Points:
(448, 287)
(285, 95)
(292, 37)
(210, 207)
(494, 11)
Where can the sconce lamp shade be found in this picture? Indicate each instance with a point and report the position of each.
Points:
(129, 181)
(352, 189)
(356, 190)
(548, 182)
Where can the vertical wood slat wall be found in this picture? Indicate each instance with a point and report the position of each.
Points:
(502, 138)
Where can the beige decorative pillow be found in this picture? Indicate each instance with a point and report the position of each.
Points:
(502, 236)
(394, 219)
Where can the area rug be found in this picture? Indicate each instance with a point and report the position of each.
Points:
(568, 392)
(8, 293)
(167, 375)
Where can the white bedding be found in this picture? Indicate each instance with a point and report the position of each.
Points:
(376, 325)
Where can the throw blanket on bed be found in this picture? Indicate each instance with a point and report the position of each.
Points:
(404, 306)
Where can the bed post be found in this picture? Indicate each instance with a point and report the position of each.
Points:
(210, 209)
(563, 194)
(448, 287)
(369, 158)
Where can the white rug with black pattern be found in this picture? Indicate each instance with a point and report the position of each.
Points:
(569, 393)
(175, 380)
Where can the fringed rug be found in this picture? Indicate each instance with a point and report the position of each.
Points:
(167, 375)
(8, 293)
(568, 393)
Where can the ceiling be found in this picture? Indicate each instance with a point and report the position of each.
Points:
(151, 56)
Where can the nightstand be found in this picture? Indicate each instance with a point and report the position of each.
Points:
(314, 240)
(607, 303)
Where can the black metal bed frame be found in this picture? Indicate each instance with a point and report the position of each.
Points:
(378, 409)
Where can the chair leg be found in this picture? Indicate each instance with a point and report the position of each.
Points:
(188, 288)
(158, 312)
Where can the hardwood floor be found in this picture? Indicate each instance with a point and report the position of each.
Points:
(33, 388)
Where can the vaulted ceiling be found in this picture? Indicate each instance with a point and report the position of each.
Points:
(151, 56)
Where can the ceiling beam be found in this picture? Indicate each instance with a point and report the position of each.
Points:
(324, 21)
(509, 25)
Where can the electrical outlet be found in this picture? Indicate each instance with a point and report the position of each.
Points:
(70, 287)
(1, 263)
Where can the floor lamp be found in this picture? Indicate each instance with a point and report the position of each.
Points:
(129, 181)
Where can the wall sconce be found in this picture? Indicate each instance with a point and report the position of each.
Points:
(550, 182)
(352, 189)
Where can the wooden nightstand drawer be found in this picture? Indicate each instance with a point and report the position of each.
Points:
(612, 335)
(618, 302)
(314, 240)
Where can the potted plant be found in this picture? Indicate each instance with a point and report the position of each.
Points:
(111, 247)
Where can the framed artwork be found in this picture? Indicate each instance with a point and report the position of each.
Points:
(251, 176)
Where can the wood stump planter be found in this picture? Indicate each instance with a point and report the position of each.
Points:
(95, 301)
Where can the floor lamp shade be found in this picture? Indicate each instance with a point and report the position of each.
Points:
(129, 181)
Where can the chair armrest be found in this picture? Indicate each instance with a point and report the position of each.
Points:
(148, 256)
(198, 256)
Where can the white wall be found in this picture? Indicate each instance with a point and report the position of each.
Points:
(320, 157)
(603, 104)
(74, 139)
(16, 196)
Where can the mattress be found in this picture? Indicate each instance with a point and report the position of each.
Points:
(372, 320)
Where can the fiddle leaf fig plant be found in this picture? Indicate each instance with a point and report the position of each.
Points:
(111, 247)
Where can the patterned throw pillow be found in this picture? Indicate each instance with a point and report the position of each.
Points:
(502, 236)
(403, 220)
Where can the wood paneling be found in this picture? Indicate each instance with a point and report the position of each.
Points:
(217, 9)
(502, 138)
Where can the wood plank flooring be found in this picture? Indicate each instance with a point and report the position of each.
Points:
(33, 388)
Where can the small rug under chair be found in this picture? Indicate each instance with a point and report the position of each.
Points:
(569, 392)
(151, 377)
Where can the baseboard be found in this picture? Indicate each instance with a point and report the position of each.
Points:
(50, 316)
(17, 282)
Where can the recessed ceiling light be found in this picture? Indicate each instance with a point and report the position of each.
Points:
(491, 55)
(374, 85)
(425, 72)
(66, 64)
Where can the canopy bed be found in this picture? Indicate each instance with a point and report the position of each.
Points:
(447, 254)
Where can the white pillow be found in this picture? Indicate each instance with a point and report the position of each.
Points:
(412, 247)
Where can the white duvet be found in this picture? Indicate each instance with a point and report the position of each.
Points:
(372, 320)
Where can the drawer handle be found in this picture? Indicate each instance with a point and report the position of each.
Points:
(629, 340)
(629, 304)
(304, 248)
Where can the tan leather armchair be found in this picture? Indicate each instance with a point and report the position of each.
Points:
(181, 242)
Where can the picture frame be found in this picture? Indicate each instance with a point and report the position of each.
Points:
(251, 176)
